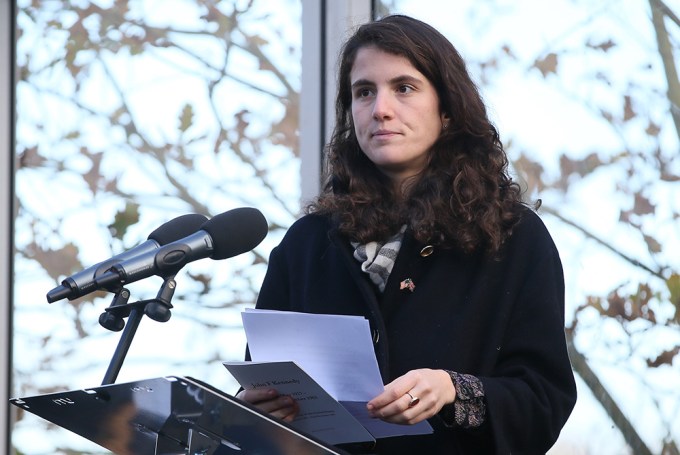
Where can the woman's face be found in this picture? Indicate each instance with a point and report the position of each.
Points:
(395, 110)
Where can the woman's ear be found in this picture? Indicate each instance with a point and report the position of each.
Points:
(445, 120)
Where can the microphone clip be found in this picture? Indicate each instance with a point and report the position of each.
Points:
(113, 317)
(157, 309)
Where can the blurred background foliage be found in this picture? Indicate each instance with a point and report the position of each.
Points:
(587, 98)
(133, 112)
(129, 114)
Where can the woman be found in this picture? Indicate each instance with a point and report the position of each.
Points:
(421, 230)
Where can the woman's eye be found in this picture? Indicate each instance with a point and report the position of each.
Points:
(405, 89)
(363, 93)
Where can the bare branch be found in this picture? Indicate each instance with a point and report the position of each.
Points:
(602, 395)
(661, 6)
(659, 9)
(602, 242)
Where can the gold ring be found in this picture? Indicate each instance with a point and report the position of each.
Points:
(414, 400)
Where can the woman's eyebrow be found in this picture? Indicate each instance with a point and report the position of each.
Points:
(401, 79)
(406, 78)
(361, 83)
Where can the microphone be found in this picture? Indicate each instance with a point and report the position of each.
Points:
(83, 282)
(226, 235)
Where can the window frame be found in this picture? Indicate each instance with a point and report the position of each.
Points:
(7, 24)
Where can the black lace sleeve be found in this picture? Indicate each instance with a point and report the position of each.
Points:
(469, 408)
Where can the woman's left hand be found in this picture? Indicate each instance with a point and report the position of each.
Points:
(413, 397)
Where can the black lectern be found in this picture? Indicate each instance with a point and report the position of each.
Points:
(171, 416)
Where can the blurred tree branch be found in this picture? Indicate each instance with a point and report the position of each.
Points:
(659, 12)
(83, 76)
(170, 162)
(602, 395)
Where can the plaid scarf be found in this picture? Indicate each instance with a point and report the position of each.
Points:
(377, 258)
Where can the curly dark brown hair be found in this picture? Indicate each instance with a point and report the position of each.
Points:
(464, 198)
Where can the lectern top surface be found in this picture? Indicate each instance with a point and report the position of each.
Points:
(170, 416)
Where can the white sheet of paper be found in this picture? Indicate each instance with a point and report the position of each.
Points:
(335, 350)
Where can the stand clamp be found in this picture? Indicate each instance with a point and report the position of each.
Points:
(113, 317)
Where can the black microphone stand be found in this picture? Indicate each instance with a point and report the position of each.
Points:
(157, 309)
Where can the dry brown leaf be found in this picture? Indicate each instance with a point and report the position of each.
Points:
(665, 358)
(547, 65)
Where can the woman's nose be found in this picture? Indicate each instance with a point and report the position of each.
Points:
(382, 107)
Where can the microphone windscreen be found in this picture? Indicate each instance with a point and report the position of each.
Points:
(178, 228)
(236, 231)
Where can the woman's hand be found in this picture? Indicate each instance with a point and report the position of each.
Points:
(268, 400)
(413, 397)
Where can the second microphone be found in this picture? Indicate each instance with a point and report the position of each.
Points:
(226, 235)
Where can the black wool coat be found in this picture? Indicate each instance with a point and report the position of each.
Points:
(500, 319)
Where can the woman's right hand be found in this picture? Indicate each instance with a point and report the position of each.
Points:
(268, 400)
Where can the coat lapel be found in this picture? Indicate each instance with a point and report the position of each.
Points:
(370, 297)
(409, 267)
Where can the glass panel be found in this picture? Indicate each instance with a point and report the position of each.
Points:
(130, 114)
(582, 96)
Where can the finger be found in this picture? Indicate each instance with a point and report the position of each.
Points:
(280, 406)
(394, 398)
(408, 411)
(392, 409)
(413, 407)
(287, 409)
(413, 400)
(289, 414)
(269, 401)
(394, 391)
(255, 396)
(409, 417)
